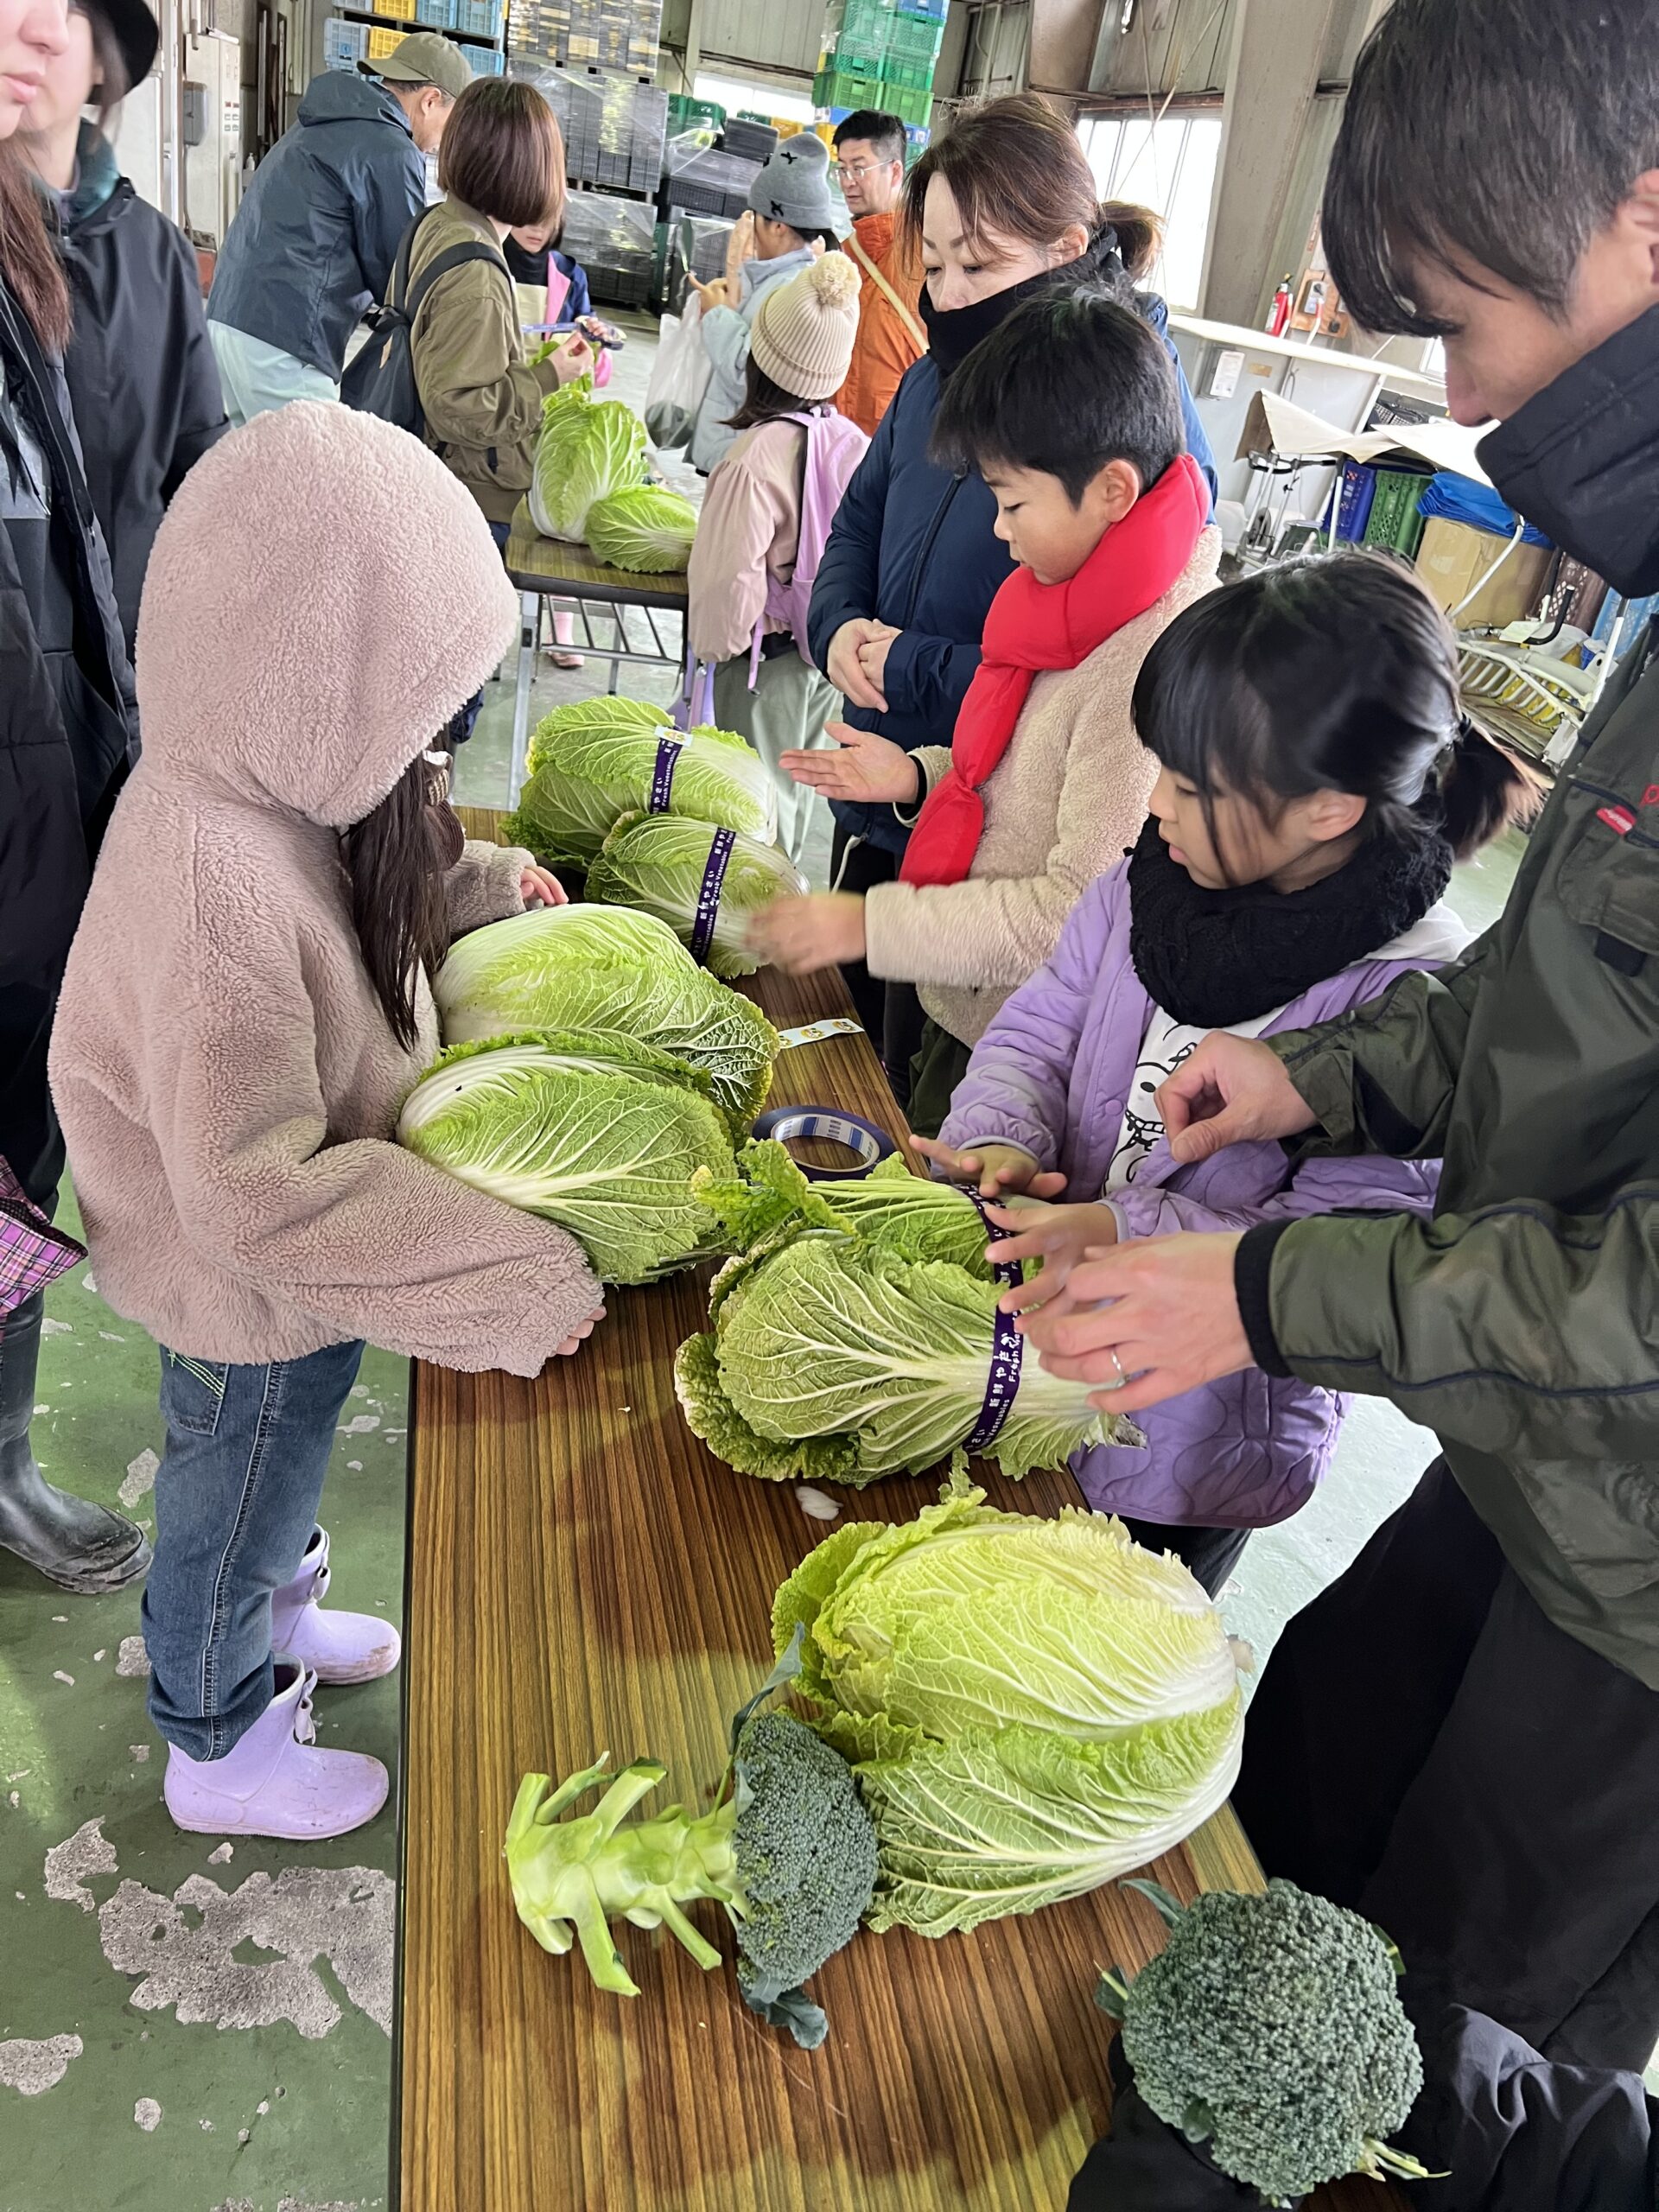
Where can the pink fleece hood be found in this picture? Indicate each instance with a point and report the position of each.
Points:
(323, 595)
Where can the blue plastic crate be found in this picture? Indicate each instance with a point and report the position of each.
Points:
(480, 18)
(435, 14)
(484, 60)
(344, 44)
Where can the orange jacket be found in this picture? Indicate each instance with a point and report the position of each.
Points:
(883, 349)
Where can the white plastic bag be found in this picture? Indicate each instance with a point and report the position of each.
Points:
(679, 377)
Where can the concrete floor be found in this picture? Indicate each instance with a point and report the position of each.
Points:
(189, 2028)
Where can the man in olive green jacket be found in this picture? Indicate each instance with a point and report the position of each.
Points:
(1461, 1737)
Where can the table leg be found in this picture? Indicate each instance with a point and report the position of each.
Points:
(529, 623)
(622, 646)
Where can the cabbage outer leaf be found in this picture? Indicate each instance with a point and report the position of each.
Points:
(658, 862)
(607, 1156)
(607, 968)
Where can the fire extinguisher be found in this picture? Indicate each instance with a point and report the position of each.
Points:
(1278, 312)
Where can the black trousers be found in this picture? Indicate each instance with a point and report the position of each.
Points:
(1428, 1748)
(891, 1013)
(1209, 1554)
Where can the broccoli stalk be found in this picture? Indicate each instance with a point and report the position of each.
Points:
(1270, 2029)
(789, 1852)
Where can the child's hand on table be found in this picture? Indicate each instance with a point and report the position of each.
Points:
(863, 765)
(583, 1331)
(1062, 1237)
(1000, 1170)
(800, 935)
(537, 888)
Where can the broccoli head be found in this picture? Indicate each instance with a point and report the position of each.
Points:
(789, 1852)
(1270, 2029)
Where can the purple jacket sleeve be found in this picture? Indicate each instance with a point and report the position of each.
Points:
(1362, 1185)
(1016, 1087)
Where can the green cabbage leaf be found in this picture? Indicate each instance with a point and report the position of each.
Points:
(1032, 1707)
(645, 528)
(586, 771)
(891, 1209)
(829, 1350)
(659, 863)
(587, 449)
(590, 967)
(595, 1132)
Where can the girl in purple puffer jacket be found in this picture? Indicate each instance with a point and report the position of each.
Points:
(1317, 781)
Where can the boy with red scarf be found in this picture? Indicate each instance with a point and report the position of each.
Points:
(1070, 412)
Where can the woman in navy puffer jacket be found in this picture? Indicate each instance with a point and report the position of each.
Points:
(1005, 204)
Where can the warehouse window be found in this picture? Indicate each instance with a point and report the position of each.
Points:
(1168, 163)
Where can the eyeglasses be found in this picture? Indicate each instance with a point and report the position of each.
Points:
(850, 171)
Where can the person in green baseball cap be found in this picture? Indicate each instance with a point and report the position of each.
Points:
(315, 238)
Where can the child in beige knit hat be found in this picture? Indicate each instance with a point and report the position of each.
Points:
(765, 515)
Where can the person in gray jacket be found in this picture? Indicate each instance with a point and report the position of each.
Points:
(313, 240)
(790, 220)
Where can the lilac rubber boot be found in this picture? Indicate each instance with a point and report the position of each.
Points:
(274, 1781)
(337, 1647)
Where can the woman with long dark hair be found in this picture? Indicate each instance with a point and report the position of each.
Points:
(1002, 206)
(245, 1010)
(141, 372)
(68, 730)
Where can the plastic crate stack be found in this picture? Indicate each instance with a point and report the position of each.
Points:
(602, 34)
(476, 25)
(615, 241)
(878, 55)
(613, 126)
(704, 180)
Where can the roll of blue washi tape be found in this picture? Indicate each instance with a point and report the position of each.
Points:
(872, 1145)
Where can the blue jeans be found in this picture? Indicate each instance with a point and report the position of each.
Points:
(236, 1503)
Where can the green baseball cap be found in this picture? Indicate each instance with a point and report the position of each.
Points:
(424, 58)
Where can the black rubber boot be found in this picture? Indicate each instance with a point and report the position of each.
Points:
(80, 1545)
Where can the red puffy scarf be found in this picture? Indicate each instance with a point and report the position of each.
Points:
(1032, 626)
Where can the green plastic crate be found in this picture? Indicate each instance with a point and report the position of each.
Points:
(1395, 521)
(687, 114)
(834, 88)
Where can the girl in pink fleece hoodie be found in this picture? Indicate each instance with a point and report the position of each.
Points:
(246, 1008)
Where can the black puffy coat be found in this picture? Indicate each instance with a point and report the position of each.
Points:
(68, 725)
(315, 238)
(142, 380)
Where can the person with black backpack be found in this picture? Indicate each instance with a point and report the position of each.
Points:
(480, 400)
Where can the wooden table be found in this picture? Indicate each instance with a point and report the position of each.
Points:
(582, 1576)
(548, 567)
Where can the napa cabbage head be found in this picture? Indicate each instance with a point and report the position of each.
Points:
(646, 528)
(1032, 1707)
(587, 449)
(607, 968)
(592, 1132)
(834, 1362)
(587, 773)
(664, 863)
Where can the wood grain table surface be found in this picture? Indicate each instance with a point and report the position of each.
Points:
(539, 563)
(584, 1577)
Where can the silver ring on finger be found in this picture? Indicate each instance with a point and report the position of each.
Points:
(1122, 1373)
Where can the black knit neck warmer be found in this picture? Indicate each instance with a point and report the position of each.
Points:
(953, 333)
(1215, 959)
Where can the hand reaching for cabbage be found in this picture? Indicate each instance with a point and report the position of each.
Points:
(800, 935)
(999, 1170)
(1061, 1237)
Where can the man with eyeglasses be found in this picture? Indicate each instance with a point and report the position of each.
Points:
(870, 163)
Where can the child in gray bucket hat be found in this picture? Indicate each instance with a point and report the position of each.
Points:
(792, 219)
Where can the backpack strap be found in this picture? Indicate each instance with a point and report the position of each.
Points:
(917, 334)
(440, 265)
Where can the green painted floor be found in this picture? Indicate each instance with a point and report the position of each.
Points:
(185, 2026)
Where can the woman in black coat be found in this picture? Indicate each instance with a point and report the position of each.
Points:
(68, 732)
(143, 383)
